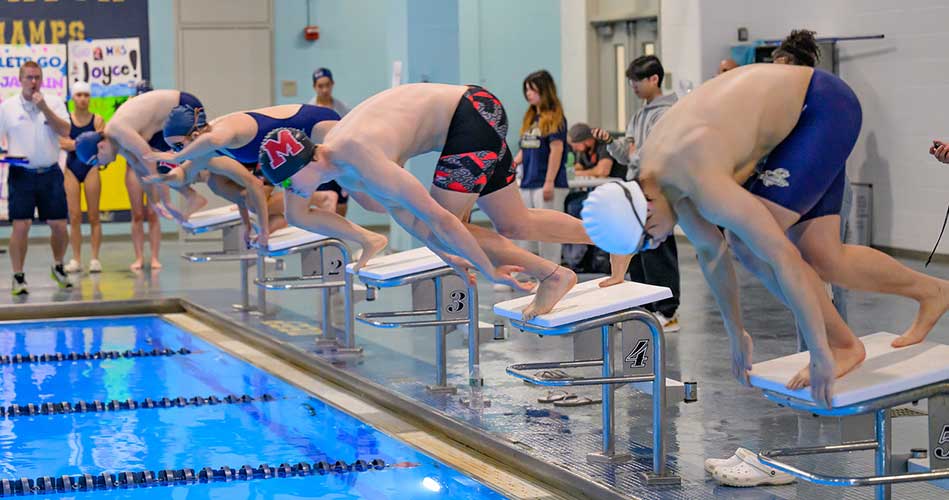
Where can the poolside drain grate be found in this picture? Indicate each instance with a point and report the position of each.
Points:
(115, 405)
(19, 359)
(179, 477)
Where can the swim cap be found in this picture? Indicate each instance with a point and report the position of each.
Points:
(614, 216)
(87, 147)
(183, 120)
(81, 88)
(283, 152)
(143, 87)
(321, 72)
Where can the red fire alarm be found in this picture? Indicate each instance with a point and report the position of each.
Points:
(311, 33)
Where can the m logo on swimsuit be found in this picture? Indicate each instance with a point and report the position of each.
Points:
(637, 357)
(777, 177)
(279, 150)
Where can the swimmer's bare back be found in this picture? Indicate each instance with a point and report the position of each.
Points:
(403, 122)
(728, 123)
(145, 113)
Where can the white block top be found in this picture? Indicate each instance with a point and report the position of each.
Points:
(886, 371)
(205, 218)
(587, 300)
(290, 237)
(400, 264)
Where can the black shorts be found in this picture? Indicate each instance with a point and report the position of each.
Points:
(343, 198)
(476, 158)
(31, 192)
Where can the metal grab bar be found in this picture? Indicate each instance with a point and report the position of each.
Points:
(297, 283)
(218, 256)
(812, 477)
(516, 371)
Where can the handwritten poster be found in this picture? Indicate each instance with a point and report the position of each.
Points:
(50, 57)
(111, 66)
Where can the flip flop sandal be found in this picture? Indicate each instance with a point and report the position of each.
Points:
(750, 472)
(713, 463)
(574, 401)
(551, 375)
(553, 396)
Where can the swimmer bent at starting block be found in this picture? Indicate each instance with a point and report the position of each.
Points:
(761, 151)
(365, 153)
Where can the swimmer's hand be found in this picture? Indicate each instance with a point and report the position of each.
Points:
(504, 275)
(742, 350)
(156, 156)
(161, 210)
(822, 379)
(618, 266)
(461, 266)
(174, 178)
(940, 150)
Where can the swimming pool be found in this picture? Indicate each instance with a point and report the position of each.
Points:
(129, 400)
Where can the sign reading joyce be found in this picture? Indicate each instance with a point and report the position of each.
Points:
(50, 57)
(112, 66)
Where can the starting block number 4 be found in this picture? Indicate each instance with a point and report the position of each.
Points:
(637, 349)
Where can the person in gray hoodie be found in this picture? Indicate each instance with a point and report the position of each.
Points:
(660, 266)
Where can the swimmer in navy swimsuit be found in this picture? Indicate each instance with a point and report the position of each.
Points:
(238, 136)
(761, 152)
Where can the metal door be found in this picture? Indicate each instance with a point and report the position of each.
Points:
(620, 43)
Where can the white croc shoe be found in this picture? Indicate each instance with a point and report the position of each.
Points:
(713, 463)
(95, 266)
(72, 267)
(750, 472)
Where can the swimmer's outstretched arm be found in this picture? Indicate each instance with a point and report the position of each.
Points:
(220, 136)
(230, 168)
(395, 183)
(722, 202)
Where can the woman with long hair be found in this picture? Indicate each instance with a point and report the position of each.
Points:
(78, 175)
(542, 155)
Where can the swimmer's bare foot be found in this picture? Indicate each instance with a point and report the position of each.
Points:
(136, 266)
(931, 308)
(155, 265)
(845, 359)
(373, 245)
(549, 292)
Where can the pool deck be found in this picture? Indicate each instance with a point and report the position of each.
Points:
(398, 364)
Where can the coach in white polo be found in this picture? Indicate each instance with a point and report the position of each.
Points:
(32, 124)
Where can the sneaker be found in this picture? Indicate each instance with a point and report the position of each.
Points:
(59, 276)
(19, 284)
(73, 267)
(95, 266)
(669, 325)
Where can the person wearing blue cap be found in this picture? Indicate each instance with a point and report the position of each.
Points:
(135, 130)
(323, 84)
(238, 136)
(365, 152)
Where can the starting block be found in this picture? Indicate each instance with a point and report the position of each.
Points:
(586, 307)
(226, 219)
(441, 296)
(888, 377)
(322, 266)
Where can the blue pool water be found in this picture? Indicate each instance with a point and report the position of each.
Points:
(293, 427)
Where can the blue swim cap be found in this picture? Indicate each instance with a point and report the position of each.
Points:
(87, 147)
(183, 120)
(284, 152)
(321, 72)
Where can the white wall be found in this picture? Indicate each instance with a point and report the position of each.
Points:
(901, 82)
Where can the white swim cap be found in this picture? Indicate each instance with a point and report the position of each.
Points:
(81, 88)
(614, 216)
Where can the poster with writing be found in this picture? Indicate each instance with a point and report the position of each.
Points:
(111, 66)
(50, 57)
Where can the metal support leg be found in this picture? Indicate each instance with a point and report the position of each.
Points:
(608, 454)
(659, 474)
(261, 293)
(441, 339)
(245, 288)
(884, 435)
